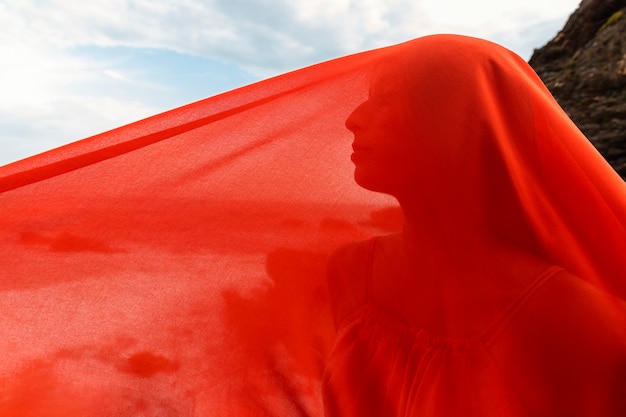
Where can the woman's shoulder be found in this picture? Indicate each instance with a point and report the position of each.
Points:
(348, 257)
(570, 302)
(567, 345)
(347, 270)
(568, 312)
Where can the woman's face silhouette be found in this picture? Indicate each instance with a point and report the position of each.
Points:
(385, 142)
(416, 130)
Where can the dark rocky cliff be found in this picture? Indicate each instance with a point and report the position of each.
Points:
(584, 67)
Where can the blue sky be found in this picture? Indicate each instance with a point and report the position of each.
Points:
(72, 68)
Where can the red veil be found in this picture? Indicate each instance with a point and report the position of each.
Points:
(176, 266)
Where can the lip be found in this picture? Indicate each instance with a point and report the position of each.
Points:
(360, 153)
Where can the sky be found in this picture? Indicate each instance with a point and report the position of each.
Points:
(70, 69)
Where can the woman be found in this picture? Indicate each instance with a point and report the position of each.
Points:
(176, 266)
(503, 294)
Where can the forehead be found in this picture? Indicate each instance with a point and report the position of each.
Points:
(387, 80)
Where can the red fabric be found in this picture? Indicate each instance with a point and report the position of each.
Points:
(178, 266)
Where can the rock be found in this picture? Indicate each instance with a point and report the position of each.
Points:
(584, 67)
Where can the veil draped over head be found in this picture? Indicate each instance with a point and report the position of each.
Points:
(176, 266)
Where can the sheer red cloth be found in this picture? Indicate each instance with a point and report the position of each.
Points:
(220, 259)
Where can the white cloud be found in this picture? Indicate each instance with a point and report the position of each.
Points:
(50, 91)
(50, 97)
(268, 35)
(489, 14)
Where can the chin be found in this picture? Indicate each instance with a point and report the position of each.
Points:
(372, 182)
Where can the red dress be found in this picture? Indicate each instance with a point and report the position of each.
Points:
(380, 365)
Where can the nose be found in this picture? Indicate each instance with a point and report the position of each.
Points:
(354, 122)
(350, 123)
